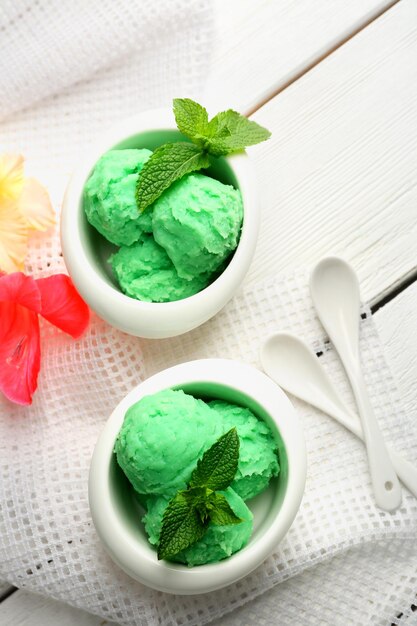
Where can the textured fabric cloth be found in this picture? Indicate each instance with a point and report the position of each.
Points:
(168, 57)
(343, 561)
(46, 45)
(48, 543)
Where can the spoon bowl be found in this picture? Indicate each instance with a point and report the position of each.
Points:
(289, 361)
(335, 291)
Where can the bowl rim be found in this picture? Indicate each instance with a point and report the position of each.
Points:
(142, 564)
(75, 255)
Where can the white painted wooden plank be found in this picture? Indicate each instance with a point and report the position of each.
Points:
(261, 46)
(24, 608)
(397, 326)
(339, 173)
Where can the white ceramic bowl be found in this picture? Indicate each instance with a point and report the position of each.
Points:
(116, 513)
(86, 251)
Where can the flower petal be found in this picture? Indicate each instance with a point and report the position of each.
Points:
(11, 176)
(19, 352)
(35, 205)
(20, 289)
(13, 237)
(62, 305)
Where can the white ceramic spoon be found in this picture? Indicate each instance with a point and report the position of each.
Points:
(334, 288)
(294, 367)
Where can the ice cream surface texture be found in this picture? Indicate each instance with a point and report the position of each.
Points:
(163, 436)
(192, 228)
(197, 220)
(145, 271)
(161, 439)
(109, 196)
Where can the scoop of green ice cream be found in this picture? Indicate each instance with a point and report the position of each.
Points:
(145, 272)
(109, 196)
(258, 460)
(161, 439)
(198, 221)
(218, 543)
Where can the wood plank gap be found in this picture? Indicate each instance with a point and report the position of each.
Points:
(393, 291)
(6, 594)
(315, 61)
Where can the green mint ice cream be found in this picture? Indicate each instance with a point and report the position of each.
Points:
(109, 196)
(145, 271)
(195, 225)
(218, 543)
(161, 439)
(258, 461)
(198, 221)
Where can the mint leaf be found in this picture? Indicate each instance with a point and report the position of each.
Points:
(166, 165)
(220, 511)
(230, 131)
(189, 512)
(217, 467)
(192, 119)
(181, 526)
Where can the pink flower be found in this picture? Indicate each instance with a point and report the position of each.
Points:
(22, 299)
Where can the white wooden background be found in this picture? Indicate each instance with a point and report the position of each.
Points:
(336, 82)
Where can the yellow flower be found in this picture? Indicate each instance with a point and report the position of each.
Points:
(11, 176)
(24, 206)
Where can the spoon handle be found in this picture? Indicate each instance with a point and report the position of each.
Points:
(405, 470)
(385, 482)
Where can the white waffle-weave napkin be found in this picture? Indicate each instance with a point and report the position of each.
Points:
(48, 543)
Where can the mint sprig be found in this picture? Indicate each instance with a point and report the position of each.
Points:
(226, 133)
(189, 513)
